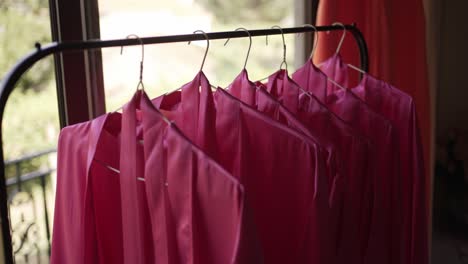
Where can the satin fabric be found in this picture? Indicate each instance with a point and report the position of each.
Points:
(195, 210)
(87, 224)
(355, 217)
(395, 55)
(388, 216)
(137, 227)
(256, 96)
(321, 250)
(400, 109)
(278, 166)
(385, 235)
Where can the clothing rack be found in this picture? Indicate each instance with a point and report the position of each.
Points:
(11, 78)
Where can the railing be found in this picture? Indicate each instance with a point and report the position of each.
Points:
(30, 193)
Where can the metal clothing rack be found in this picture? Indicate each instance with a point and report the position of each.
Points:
(9, 81)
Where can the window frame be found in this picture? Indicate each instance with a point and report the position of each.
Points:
(79, 76)
(80, 85)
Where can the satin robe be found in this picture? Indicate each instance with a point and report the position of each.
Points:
(188, 210)
(197, 209)
(400, 109)
(321, 249)
(278, 166)
(355, 218)
(87, 223)
(387, 209)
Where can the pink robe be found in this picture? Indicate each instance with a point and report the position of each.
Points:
(87, 218)
(400, 109)
(278, 166)
(322, 249)
(384, 241)
(396, 56)
(357, 160)
(189, 209)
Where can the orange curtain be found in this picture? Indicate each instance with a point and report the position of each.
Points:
(395, 34)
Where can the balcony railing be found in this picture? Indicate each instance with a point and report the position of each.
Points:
(30, 199)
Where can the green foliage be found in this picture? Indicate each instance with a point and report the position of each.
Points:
(228, 11)
(22, 23)
(30, 120)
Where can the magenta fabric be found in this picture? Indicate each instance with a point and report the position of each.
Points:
(106, 196)
(384, 242)
(387, 221)
(87, 225)
(396, 56)
(71, 194)
(278, 166)
(400, 109)
(275, 176)
(137, 239)
(258, 98)
(195, 211)
(355, 216)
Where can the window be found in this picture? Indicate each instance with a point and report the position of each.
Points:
(169, 66)
(31, 113)
(30, 130)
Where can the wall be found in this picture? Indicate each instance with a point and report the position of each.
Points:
(452, 88)
(447, 56)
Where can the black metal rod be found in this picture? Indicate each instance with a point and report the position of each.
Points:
(12, 77)
(363, 51)
(30, 156)
(18, 175)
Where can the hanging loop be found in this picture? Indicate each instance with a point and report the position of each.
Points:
(342, 36)
(316, 36)
(207, 46)
(284, 46)
(140, 82)
(250, 44)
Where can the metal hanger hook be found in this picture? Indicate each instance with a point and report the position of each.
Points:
(284, 46)
(342, 36)
(316, 36)
(140, 83)
(207, 46)
(250, 44)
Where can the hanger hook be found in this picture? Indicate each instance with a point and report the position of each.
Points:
(342, 36)
(140, 83)
(284, 46)
(250, 44)
(316, 36)
(207, 46)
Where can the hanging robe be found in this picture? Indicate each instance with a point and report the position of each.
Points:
(355, 217)
(197, 210)
(400, 109)
(87, 221)
(87, 225)
(395, 55)
(277, 165)
(321, 248)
